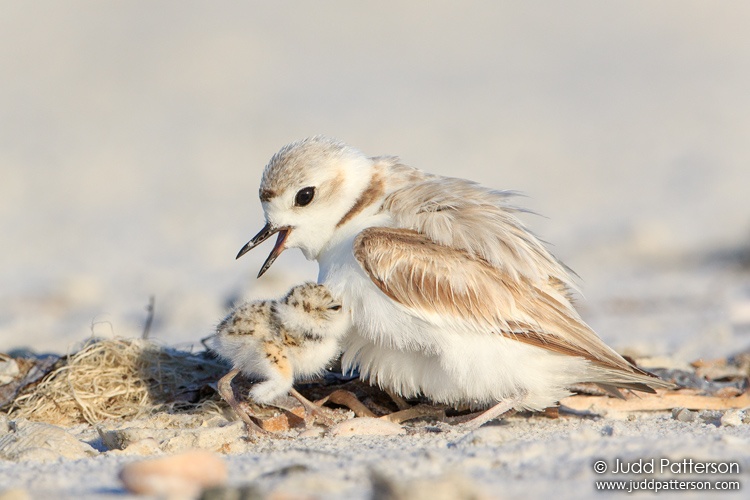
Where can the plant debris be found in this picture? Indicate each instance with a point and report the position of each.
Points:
(118, 379)
(128, 379)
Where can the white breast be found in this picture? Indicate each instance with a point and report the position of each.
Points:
(311, 359)
(374, 315)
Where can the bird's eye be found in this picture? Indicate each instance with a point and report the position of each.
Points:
(335, 308)
(304, 196)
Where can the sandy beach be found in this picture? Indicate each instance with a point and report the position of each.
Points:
(134, 137)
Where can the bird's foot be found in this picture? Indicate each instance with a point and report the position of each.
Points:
(312, 409)
(349, 400)
(408, 412)
(227, 393)
(504, 407)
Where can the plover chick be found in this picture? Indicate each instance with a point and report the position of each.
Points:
(280, 342)
(450, 295)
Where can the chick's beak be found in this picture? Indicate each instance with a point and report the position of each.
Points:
(265, 233)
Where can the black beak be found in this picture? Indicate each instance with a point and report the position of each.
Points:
(265, 233)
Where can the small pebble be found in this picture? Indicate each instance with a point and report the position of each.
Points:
(732, 418)
(36, 441)
(312, 432)
(683, 415)
(712, 417)
(365, 426)
(8, 369)
(183, 475)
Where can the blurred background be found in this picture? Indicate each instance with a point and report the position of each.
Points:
(133, 136)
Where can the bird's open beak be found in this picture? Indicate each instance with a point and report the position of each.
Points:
(265, 233)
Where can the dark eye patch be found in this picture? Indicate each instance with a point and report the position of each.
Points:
(335, 308)
(304, 196)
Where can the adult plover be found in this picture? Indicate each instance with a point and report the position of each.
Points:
(450, 295)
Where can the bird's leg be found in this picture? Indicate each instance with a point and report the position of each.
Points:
(408, 412)
(226, 392)
(348, 399)
(311, 408)
(400, 402)
(494, 412)
(413, 412)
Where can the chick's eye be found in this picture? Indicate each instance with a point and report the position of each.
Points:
(335, 308)
(304, 196)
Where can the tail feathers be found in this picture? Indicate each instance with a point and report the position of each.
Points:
(635, 386)
(638, 380)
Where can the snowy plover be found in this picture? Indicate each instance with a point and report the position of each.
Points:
(280, 341)
(450, 295)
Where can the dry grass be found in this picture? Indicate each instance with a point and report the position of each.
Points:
(119, 379)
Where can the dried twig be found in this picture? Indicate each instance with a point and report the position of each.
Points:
(663, 400)
(149, 318)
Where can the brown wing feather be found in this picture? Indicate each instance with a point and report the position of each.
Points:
(421, 274)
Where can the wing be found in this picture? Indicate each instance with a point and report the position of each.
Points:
(465, 215)
(428, 277)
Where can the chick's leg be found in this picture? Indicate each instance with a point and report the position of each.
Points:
(226, 392)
